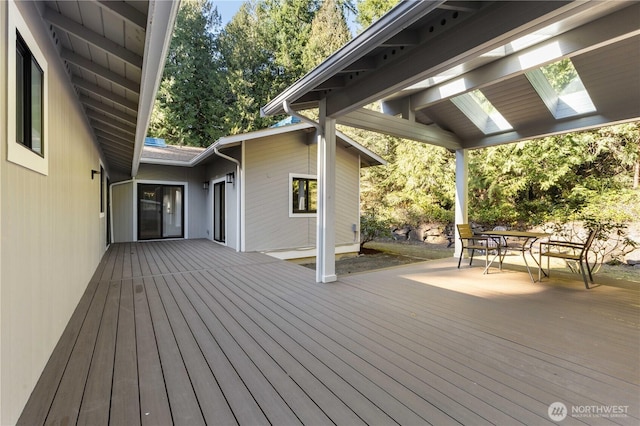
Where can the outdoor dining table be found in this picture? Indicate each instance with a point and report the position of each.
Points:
(524, 244)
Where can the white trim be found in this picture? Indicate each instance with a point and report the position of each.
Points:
(16, 152)
(185, 234)
(212, 182)
(102, 181)
(160, 22)
(228, 141)
(243, 197)
(290, 208)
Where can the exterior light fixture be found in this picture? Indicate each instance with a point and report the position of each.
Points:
(231, 177)
(93, 173)
(205, 185)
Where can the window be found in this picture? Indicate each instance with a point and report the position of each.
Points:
(29, 78)
(27, 87)
(303, 195)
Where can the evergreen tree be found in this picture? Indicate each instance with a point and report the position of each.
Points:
(191, 102)
(329, 32)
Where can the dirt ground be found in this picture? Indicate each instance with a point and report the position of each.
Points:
(388, 253)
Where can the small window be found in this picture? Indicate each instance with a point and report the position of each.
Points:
(29, 97)
(304, 195)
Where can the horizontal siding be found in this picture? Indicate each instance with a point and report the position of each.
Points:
(347, 195)
(197, 197)
(268, 164)
(53, 235)
(122, 207)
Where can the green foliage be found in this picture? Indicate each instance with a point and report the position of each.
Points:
(370, 11)
(329, 32)
(372, 227)
(191, 98)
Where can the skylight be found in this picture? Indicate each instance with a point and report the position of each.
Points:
(481, 112)
(561, 89)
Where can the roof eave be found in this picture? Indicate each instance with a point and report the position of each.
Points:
(160, 23)
(401, 16)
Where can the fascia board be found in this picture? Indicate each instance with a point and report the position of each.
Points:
(160, 22)
(398, 18)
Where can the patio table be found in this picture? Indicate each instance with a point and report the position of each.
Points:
(524, 245)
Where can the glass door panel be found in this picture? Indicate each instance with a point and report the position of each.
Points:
(149, 211)
(172, 212)
(218, 212)
(160, 211)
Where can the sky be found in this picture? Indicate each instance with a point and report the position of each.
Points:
(228, 8)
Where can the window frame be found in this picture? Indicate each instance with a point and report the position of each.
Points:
(17, 152)
(304, 177)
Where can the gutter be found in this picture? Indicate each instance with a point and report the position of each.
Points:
(394, 21)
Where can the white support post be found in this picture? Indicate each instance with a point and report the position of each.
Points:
(325, 233)
(462, 195)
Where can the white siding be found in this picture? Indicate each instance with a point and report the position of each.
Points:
(53, 235)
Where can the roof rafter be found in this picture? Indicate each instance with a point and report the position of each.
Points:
(105, 93)
(97, 105)
(382, 123)
(605, 31)
(109, 121)
(100, 71)
(125, 11)
(441, 54)
(93, 38)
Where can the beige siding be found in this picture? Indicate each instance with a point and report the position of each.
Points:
(123, 216)
(347, 196)
(53, 235)
(268, 164)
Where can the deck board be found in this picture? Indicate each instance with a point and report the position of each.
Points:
(190, 332)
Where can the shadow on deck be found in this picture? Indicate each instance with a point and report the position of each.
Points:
(188, 332)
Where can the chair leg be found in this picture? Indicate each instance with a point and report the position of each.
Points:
(460, 258)
(473, 251)
(586, 261)
(584, 275)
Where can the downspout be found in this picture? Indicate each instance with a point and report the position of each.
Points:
(287, 108)
(238, 195)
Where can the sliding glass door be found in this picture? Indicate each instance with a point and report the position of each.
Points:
(160, 211)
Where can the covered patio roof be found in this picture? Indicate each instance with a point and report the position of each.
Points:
(427, 60)
(114, 52)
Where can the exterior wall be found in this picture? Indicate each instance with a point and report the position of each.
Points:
(122, 212)
(53, 234)
(124, 200)
(268, 164)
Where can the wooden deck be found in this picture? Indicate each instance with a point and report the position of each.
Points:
(188, 333)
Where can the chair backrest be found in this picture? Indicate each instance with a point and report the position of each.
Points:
(590, 239)
(464, 230)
